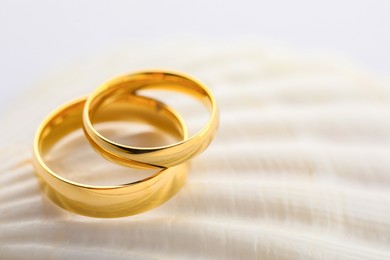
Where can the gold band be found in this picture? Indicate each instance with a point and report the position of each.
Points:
(162, 156)
(109, 201)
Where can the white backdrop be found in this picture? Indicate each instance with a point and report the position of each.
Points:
(38, 37)
(299, 168)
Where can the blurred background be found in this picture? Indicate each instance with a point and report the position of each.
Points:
(38, 37)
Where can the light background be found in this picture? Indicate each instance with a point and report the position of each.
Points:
(38, 37)
(299, 168)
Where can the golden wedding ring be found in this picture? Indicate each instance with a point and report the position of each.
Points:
(109, 201)
(120, 100)
(151, 157)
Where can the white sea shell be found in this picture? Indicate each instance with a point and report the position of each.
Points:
(300, 167)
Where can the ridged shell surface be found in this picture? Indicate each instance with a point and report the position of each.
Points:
(300, 167)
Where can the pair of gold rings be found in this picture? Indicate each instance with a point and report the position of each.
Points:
(119, 100)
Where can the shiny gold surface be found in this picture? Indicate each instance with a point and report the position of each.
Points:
(162, 156)
(109, 201)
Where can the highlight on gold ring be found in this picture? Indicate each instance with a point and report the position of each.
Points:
(108, 201)
(161, 156)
